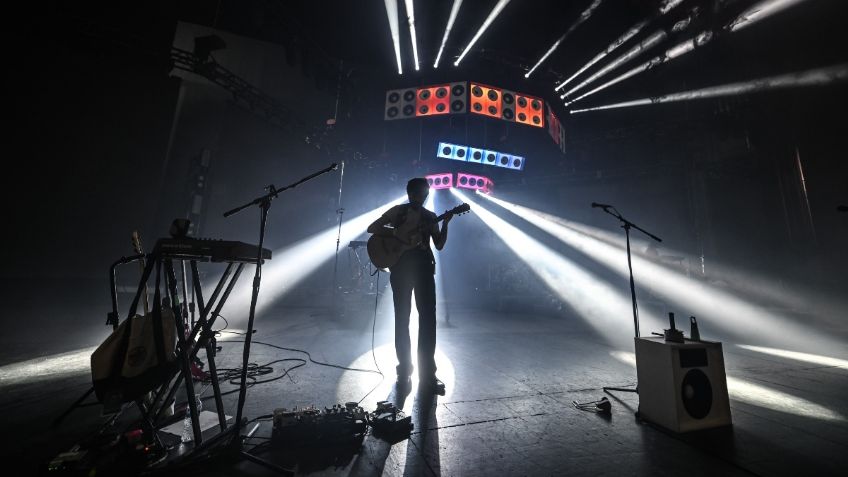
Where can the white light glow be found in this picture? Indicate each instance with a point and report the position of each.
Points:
(643, 45)
(582, 18)
(714, 307)
(798, 356)
(54, 366)
(491, 18)
(815, 77)
(353, 385)
(607, 310)
(451, 19)
(292, 264)
(410, 18)
(759, 11)
(394, 27)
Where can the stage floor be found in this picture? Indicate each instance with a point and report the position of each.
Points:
(511, 379)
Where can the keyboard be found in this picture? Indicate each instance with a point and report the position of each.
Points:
(204, 249)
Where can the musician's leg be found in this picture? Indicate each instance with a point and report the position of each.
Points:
(402, 295)
(425, 301)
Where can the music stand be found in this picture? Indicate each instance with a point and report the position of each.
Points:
(627, 225)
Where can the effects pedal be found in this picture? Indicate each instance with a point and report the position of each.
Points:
(389, 422)
(311, 425)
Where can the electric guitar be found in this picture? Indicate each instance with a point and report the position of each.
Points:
(384, 252)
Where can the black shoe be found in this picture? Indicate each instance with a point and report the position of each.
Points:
(434, 385)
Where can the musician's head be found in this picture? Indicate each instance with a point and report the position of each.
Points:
(417, 189)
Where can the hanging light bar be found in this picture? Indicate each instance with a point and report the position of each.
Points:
(451, 19)
(815, 77)
(495, 12)
(583, 17)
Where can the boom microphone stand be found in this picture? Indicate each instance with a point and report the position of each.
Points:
(264, 203)
(627, 225)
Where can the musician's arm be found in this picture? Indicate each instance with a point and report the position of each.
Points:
(440, 236)
(378, 227)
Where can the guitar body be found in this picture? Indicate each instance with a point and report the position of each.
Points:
(385, 252)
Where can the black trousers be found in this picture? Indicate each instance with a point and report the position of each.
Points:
(414, 272)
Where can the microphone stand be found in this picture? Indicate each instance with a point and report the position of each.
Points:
(340, 211)
(264, 203)
(627, 225)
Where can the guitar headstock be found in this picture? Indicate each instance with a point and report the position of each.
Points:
(136, 242)
(460, 209)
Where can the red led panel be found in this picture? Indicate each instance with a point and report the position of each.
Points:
(432, 100)
(486, 100)
(529, 110)
(440, 181)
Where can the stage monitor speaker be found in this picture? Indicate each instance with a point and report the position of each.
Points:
(447, 150)
(682, 386)
(529, 110)
(440, 181)
(509, 161)
(458, 97)
(486, 100)
(400, 104)
(433, 100)
(508, 106)
(476, 155)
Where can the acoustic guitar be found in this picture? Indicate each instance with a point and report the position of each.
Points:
(384, 252)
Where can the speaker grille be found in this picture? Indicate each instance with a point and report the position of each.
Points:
(697, 393)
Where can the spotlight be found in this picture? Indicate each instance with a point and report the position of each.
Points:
(494, 13)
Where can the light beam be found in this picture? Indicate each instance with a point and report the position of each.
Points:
(294, 263)
(451, 19)
(605, 309)
(814, 77)
(582, 18)
(410, 18)
(494, 14)
(394, 27)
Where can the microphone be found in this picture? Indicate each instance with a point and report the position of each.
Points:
(603, 206)
(842, 208)
(334, 166)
